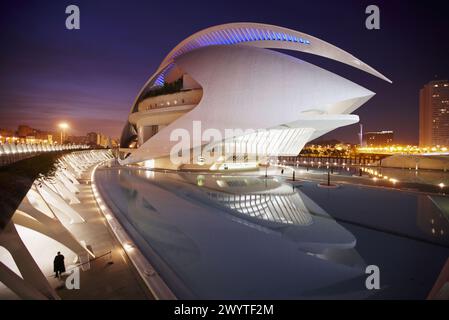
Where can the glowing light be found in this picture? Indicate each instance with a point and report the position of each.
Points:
(441, 185)
(149, 163)
(128, 247)
(63, 125)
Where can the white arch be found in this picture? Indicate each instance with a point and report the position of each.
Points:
(269, 37)
(263, 36)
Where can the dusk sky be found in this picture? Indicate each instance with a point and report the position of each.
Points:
(90, 77)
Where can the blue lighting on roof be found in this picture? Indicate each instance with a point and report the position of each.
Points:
(237, 35)
(228, 37)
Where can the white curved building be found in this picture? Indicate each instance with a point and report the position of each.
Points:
(220, 99)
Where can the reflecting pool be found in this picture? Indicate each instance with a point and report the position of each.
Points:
(250, 237)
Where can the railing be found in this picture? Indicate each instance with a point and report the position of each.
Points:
(189, 97)
(10, 153)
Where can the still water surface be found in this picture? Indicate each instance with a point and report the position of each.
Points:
(248, 237)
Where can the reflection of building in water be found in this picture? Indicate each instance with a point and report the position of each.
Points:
(430, 218)
(151, 224)
(284, 208)
(203, 226)
(273, 205)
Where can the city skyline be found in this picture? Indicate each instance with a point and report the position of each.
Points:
(89, 79)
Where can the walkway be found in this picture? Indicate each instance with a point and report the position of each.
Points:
(109, 276)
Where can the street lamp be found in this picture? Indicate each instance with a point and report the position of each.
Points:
(63, 126)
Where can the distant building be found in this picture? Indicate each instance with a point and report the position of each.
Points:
(378, 139)
(77, 139)
(434, 114)
(102, 140)
(92, 138)
(26, 134)
(44, 136)
(97, 139)
(6, 133)
(24, 131)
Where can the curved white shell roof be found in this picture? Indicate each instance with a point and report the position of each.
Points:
(252, 88)
(256, 35)
(266, 36)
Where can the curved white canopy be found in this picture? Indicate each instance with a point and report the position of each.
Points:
(266, 36)
(256, 35)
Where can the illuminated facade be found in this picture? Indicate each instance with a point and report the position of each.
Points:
(225, 78)
(378, 139)
(434, 114)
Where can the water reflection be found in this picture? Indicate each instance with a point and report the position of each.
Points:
(272, 204)
(433, 216)
(247, 237)
(174, 217)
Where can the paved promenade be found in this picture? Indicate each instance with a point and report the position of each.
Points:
(109, 276)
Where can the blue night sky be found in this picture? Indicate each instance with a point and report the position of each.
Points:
(91, 76)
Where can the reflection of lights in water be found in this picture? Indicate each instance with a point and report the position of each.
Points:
(374, 179)
(282, 208)
(149, 164)
(149, 174)
(394, 181)
(200, 180)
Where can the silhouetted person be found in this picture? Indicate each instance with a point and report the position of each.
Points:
(58, 265)
(282, 171)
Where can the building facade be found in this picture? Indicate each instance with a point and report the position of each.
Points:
(434, 114)
(236, 102)
(378, 139)
(92, 138)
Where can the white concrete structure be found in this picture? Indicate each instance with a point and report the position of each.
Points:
(225, 78)
(10, 148)
(43, 216)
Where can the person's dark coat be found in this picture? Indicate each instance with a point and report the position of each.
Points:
(58, 263)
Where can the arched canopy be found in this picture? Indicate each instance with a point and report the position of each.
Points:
(266, 36)
(256, 35)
